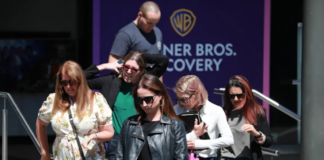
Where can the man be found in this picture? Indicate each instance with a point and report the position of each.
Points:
(140, 35)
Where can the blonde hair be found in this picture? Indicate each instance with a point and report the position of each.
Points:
(191, 84)
(84, 95)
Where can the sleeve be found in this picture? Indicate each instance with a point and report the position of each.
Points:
(191, 136)
(160, 62)
(161, 49)
(121, 142)
(224, 141)
(94, 82)
(265, 129)
(103, 112)
(45, 112)
(181, 150)
(121, 44)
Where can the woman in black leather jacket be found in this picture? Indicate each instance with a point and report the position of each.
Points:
(155, 133)
(117, 90)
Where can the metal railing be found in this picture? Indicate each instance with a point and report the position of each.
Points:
(7, 96)
(31, 134)
(271, 152)
(273, 103)
(267, 151)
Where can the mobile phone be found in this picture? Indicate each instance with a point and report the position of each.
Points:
(120, 62)
(89, 144)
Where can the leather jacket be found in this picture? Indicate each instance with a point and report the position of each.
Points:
(166, 141)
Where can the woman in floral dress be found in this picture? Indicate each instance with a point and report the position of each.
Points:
(91, 114)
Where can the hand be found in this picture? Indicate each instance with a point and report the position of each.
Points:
(200, 129)
(86, 141)
(250, 129)
(110, 66)
(191, 144)
(45, 157)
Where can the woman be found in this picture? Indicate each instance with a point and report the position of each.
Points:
(90, 112)
(116, 88)
(192, 95)
(156, 132)
(247, 120)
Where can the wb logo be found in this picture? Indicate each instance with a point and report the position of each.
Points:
(183, 21)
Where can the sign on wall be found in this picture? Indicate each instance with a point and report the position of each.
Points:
(212, 39)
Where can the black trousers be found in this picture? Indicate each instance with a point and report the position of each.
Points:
(112, 147)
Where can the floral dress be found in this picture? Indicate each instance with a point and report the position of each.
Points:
(65, 145)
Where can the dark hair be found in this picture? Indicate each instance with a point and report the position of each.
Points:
(153, 83)
(138, 57)
(251, 108)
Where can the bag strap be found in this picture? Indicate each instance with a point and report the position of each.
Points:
(76, 133)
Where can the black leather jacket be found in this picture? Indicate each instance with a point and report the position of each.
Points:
(166, 141)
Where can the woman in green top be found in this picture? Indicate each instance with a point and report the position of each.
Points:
(116, 88)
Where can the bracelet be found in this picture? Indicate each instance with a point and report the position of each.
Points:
(96, 136)
(259, 136)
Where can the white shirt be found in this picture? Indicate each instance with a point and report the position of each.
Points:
(215, 118)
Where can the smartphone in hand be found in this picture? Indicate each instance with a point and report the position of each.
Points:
(121, 69)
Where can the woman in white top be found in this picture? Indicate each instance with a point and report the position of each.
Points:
(192, 95)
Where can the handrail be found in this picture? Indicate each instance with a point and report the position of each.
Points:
(270, 151)
(273, 103)
(22, 119)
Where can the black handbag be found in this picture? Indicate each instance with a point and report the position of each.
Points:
(76, 133)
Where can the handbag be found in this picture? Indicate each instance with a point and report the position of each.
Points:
(76, 133)
(191, 156)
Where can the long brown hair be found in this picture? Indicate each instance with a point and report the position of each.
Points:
(152, 83)
(84, 94)
(138, 57)
(251, 108)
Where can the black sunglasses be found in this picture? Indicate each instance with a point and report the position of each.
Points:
(185, 100)
(232, 96)
(148, 99)
(66, 82)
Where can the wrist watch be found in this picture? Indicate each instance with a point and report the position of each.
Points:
(259, 136)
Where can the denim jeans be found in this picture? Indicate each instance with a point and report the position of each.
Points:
(112, 147)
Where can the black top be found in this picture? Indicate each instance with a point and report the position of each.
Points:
(109, 85)
(147, 128)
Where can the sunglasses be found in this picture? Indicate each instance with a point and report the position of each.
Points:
(148, 99)
(232, 96)
(127, 67)
(185, 100)
(66, 82)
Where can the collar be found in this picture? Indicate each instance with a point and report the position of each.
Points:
(203, 110)
(164, 119)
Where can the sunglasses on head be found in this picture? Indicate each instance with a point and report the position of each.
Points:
(66, 82)
(232, 96)
(148, 99)
(185, 100)
(127, 67)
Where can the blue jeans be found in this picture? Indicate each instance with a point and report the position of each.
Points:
(112, 147)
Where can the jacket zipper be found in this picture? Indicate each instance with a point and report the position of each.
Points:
(166, 145)
(141, 147)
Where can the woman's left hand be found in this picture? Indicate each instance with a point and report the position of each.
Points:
(85, 143)
(250, 129)
(191, 144)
